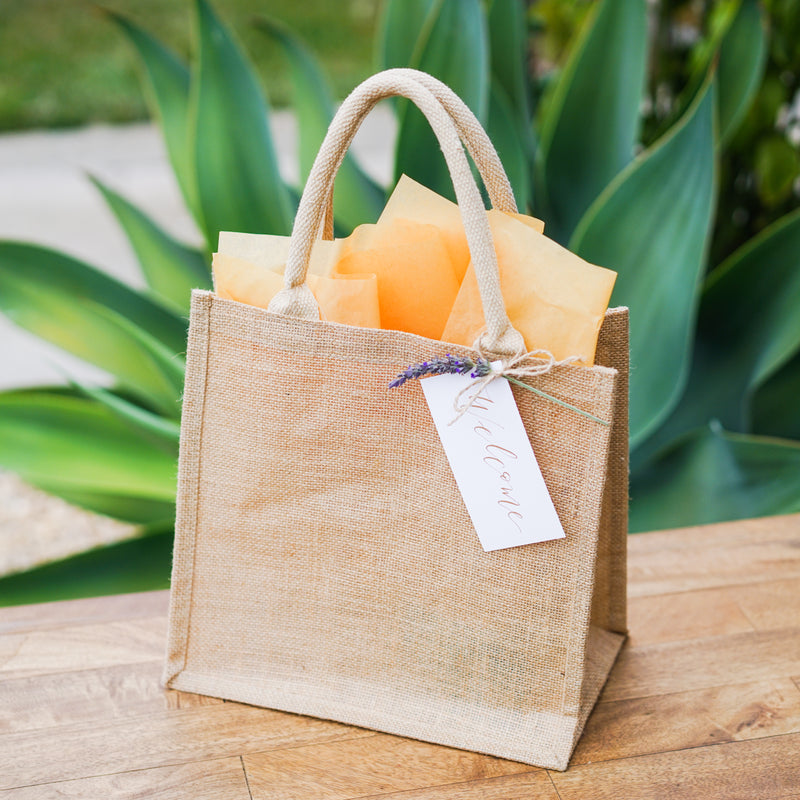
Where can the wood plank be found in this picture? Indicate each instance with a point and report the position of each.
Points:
(704, 663)
(79, 647)
(640, 726)
(66, 698)
(156, 740)
(526, 786)
(674, 618)
(770, 605)
(375, 765)
(727, 554)
(761, 769)
(205, 780)
(41, 616)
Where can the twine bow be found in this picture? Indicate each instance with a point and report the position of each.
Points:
(484, 372)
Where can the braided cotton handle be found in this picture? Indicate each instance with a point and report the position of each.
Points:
(478, 144)
(296, 298)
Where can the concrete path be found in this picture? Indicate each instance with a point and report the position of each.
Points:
(45, 197)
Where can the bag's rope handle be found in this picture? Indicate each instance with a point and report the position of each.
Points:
(296, 299)
(472, 134)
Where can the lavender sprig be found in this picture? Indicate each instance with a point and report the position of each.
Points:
(442, 366)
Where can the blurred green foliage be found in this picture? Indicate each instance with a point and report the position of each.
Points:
(663, 146)
(63, 63)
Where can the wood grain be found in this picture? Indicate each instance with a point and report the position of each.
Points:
(525, 786)
(204, 780)
(65, 698)
(704, 663)
(89, 610)
(763, 769)
(704, 701)
(771, 604)
(661, 723)
(729, 554)
(674, 618)
(82, 647)
(375, 765)
(155, 740)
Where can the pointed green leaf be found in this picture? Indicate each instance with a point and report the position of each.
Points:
(742, 58)
(167, 80)
(508, 46)
(751, 302)
(711, 475)
(163, 382)
(748, 328)
(161, 431)
(591, 124)
(775, 410)
(451, 45)
(171, 269)
(238, 183)
(75, 448)
(31, 275)
(512, 149)
(357, 198)
(652, 225)
(509, 125)
(401, 25)
(137, 565)
(94, 317)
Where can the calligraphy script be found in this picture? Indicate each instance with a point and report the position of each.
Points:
(493, 463)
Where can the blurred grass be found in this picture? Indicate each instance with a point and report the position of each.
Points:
(63, 63)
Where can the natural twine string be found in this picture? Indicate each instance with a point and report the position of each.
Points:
(511, 370)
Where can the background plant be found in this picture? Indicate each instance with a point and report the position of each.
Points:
(651, 189)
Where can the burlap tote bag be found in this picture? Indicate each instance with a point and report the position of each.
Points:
(325, 563)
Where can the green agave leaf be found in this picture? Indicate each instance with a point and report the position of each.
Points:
(751, 301)
(774, 407)
(97, 334)
(238, 183)
(78, 449)
(591, 124)
(171, 269)
(167, 79)
(652, 225)
(512, 149)
(161, 431)
(31, 275)
(452, 44)
(166, 370)
(509, 124)
(711, 475)
(402, 24)
(357, 198)
(748, 328)
(742, 58)
(93, 316)
(508, 47)
(136, 565)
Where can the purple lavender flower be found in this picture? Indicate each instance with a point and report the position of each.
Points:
(443, 365)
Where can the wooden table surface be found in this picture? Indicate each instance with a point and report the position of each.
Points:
(704, 701)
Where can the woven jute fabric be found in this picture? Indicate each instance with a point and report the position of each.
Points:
(325, 563)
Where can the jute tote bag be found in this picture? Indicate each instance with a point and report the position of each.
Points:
(325, 563)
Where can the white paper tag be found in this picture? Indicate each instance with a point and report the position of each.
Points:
(493, 463)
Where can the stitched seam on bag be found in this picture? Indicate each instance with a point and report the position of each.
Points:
(207, 301)
(572, 644)
(196, 477)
